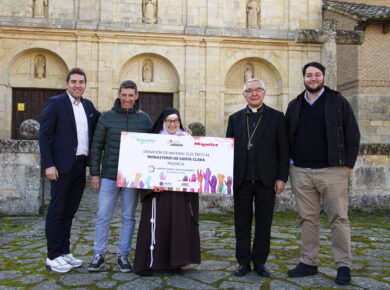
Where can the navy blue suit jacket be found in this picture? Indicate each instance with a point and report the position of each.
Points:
(58, 134)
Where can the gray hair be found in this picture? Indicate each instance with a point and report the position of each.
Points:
(128, 84)
(253, 80)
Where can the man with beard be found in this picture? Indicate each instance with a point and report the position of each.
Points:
(324, 142)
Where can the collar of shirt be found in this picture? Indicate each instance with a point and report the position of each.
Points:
(254, 111)
(73, 100)
(316, 98)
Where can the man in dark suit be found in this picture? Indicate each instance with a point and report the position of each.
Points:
(68, 122)
(261, 162)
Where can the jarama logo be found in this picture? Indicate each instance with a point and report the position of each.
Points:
(145, 141)
(174, 143)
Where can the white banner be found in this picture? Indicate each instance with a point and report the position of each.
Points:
(177, 163)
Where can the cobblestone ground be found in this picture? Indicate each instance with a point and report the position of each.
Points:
(23, 251)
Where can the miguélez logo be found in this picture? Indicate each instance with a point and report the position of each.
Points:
(146, 141)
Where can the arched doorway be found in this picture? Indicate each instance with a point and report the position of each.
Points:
(251, 68)
(34, 77)
(157, 81)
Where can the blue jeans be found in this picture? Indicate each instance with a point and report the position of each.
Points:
(108, 196)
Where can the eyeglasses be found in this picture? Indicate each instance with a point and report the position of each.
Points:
(175, 122)
(258, 90)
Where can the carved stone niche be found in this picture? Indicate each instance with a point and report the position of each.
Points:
(147, 71)
(249, 72)
(253, 14)
(40, 8)
(40, 66)
(149, 11)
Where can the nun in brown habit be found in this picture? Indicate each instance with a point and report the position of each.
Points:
(168, 233)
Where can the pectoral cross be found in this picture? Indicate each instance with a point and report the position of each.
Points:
(249, 146)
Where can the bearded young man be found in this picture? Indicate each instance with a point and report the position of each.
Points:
(324, 144)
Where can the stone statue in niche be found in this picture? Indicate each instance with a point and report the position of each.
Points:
(253, 14)
(40, 66)
(249, 72)
(40, 8)
(147, 71)
(149, 11)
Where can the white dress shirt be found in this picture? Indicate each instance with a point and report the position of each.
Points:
(81, 127)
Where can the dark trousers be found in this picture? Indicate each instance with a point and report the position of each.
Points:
(264, 199)
(66, 194)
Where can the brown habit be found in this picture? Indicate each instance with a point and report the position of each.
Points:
(177, 241)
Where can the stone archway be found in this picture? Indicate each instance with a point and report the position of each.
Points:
(157, 81)
(251, 68)
(38, 69)
(34, 76)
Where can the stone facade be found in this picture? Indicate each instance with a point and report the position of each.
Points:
(199, 50)
(20, 182)
(363, 76)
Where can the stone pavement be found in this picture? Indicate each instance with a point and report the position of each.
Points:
(23, 251)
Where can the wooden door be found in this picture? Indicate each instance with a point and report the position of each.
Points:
(30, 103)
(155, 103)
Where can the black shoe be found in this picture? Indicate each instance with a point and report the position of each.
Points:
(145, 273)
(123, 263)
(97, 263)
(176, 271)
(302, 270)
(261, 270)
(343, 276)
(242, 270)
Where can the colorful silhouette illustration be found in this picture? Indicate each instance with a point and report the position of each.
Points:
(200, 179)
(193, 177)
(213, 184)
(137, 178)
(224, 188)
(221, 178)
(125, 182)
(229, 183)
(206, 177)
(148, 181)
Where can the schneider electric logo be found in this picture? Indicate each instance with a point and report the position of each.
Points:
(145, 141)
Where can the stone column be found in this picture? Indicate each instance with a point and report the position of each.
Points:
(329, 54)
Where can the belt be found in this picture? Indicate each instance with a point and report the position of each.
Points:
(81, 157)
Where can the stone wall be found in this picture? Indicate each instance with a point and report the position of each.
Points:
(363, 77)
(20, 182)
(368, 186)
(197, 47)
(20, 185)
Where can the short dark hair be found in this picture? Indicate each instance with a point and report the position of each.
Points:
(76, 71)
(315, 64)
(128, 84)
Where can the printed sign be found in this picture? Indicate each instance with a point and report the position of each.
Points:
(21, 107)
(176, 163)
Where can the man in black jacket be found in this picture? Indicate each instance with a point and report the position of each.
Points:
(324, 143)
(261, 161)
